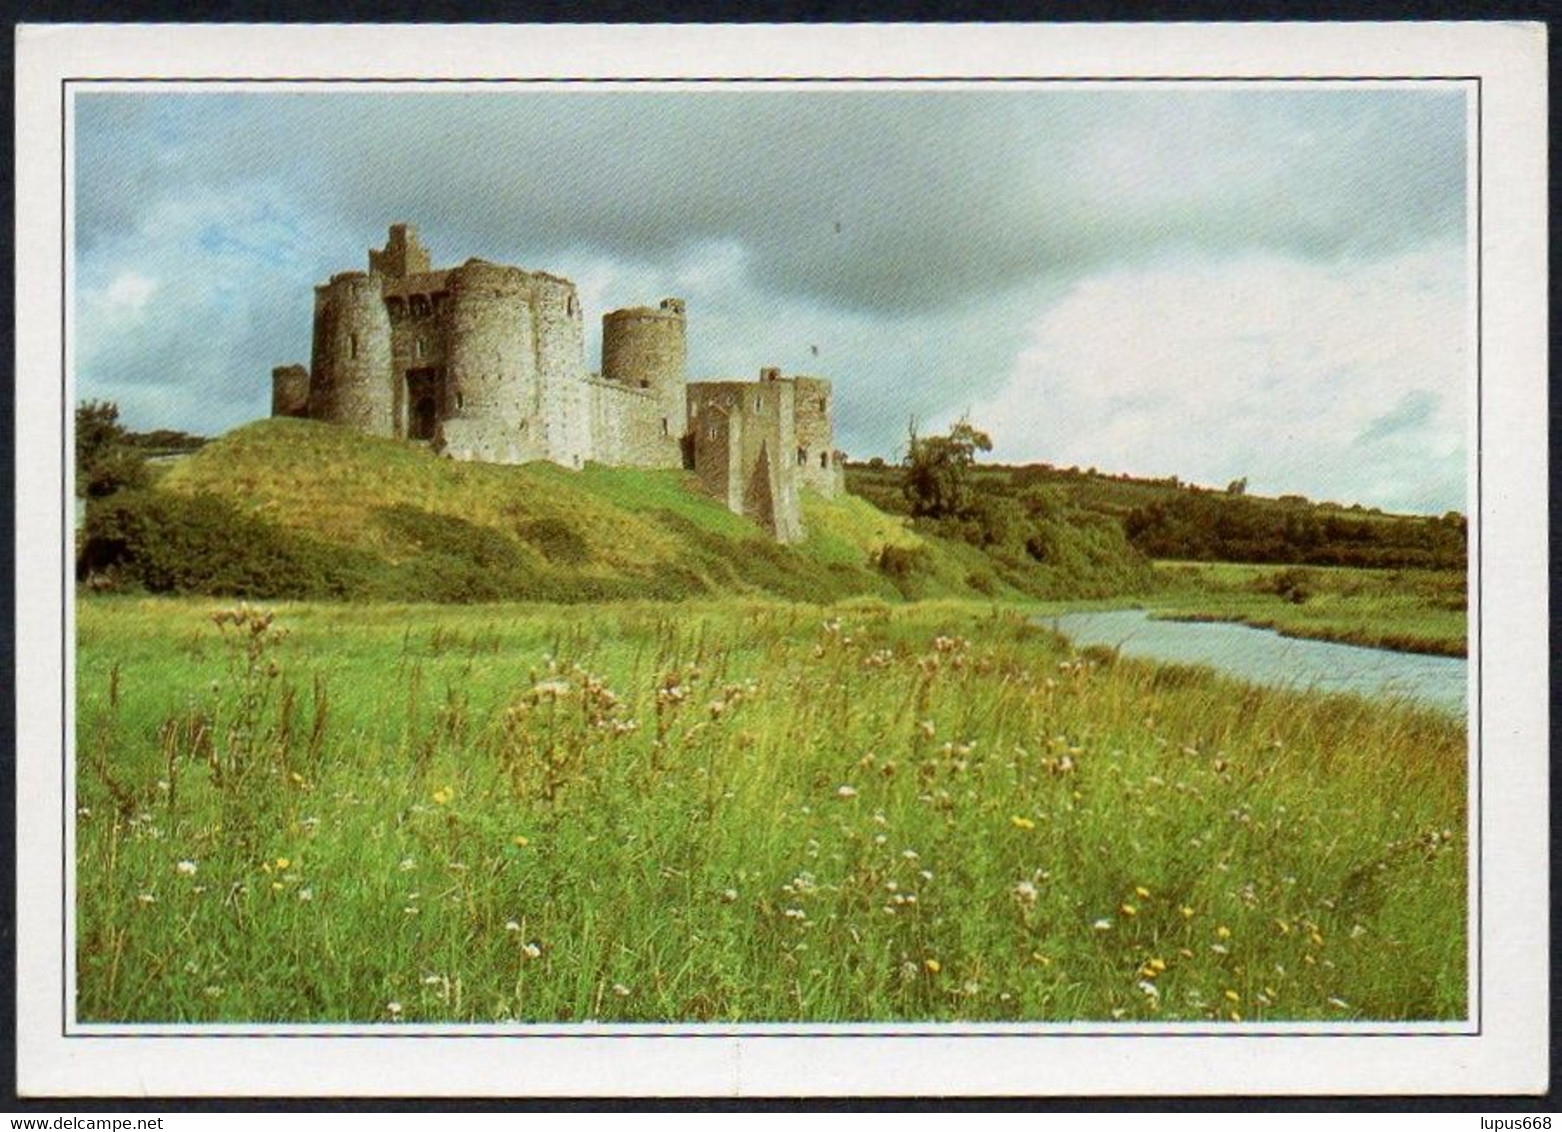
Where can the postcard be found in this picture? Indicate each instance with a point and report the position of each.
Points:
(701, 560)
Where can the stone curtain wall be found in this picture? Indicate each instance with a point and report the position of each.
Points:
(627, 427)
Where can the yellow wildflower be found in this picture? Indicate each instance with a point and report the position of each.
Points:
(283, 863)
(1142, 892)
(443, 795)
(521, 841)
(1022, 823)
(1233, 996)
(1129, 910)
(1186, 911)
(1223, 932)
(934, 966)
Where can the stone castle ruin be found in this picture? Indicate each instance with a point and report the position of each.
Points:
(488, 362)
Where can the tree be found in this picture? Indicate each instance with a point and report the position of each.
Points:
(1237, 487)
(938, 470)
(105, 460)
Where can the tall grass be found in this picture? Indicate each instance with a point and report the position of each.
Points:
(739, 811)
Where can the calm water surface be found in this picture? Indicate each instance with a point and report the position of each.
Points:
(1265, 657)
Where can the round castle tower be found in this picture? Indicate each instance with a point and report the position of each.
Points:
(290, 391)
(351, 361)
(648, 349)
(490, 365)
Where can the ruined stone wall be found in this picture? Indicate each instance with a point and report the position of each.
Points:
(628, 428)
(817, 465)
(403, 254)
(716, 442)
(351, 359)
(490, 366)
(648, 349)
(290, 391)
(756, 423)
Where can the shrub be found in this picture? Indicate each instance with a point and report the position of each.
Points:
(558, 541)
(170, 543)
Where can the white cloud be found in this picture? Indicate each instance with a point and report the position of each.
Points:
(127, 295)
(1341, 381)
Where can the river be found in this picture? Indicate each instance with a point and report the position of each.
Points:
(1265, 657)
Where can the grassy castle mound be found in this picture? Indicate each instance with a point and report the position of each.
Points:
(295, 509)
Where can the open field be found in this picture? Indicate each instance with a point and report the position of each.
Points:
(1406, 610)
(739, 810)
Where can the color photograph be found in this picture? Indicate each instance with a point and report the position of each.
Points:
(823, 554)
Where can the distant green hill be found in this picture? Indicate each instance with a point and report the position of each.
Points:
(1170, 519)
(290, 508)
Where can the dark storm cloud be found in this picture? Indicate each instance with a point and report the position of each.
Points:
(904, 242)
(887, 201)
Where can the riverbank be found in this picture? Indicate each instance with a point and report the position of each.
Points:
(739, 811)
(1420, 611)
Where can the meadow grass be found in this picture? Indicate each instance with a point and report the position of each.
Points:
(739, 811)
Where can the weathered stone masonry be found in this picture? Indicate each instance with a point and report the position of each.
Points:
(487, 362)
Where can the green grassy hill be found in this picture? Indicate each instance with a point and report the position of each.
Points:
(291, 508)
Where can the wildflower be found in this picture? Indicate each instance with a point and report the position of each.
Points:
(520, 841)
(1044, 960)
(186, 868)
(620, 990)
(933, 966)
(1357, 932)
(729, 895)
(1223, 932)
(1339, 1002)
(531, 951)
(511, 926)
(1233, 996)
(1022, 823)
(407, 864)
(1142, 892)
(847, 791)
(1151, 991)
(1186, 911)
(443, 795)
(393, 1009)
(909, 854)
(283, 863)
(306, 894)
(1102, 925)
(147, 898)
(1129, 910)
(1025, 892)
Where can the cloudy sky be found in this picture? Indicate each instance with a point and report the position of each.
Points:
(1208, 282)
